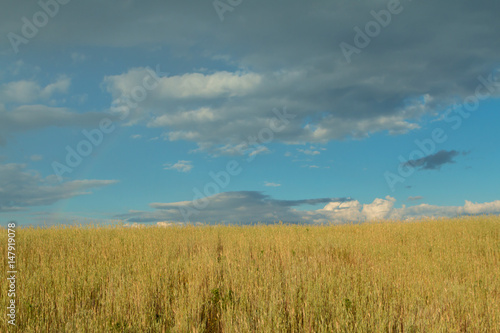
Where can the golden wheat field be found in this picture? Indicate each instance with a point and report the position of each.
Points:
(425, 276)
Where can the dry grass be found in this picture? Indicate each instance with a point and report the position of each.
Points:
(430, 276)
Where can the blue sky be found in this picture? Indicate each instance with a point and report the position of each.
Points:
(303, 118)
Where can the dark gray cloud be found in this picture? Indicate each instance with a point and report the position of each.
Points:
(21, 188)
(434, 161)
(428, 56)
(229, 207)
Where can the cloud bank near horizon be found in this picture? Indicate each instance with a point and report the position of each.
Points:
(248, 207)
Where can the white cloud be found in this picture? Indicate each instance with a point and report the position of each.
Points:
(20, 91)
(308, 152)
(189, 85)
(259, 150)
(181, 166)
(208, 86)
(339, 212)
(202, 115)
(381, 209)
(60, 86)
(481, 208)
(136, 136)
(25, 91)
(271, 184)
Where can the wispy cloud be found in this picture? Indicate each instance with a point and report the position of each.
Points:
(21, 188)
(259, 150)
(309, 152)
(271, 184)
(181, 166)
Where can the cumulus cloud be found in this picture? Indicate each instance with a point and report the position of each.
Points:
(252, 207)
(181, 166)
(381, 209)
(353, 211)
(21, 188)
(471, 208)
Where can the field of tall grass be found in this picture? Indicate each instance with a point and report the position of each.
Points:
(425, 276)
